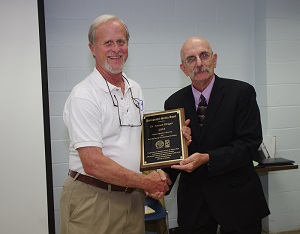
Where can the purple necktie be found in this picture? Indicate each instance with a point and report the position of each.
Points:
(201, 110)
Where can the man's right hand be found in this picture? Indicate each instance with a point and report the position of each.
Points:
(158, 184)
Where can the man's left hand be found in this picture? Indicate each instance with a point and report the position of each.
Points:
(192, 162)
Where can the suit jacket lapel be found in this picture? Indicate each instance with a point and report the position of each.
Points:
(215, 99)
(190, 112)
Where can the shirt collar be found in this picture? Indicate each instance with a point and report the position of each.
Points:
(206, 92)
(99, 79)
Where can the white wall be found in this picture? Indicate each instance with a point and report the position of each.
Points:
(158, 29)
(278, 86)
(23, 203)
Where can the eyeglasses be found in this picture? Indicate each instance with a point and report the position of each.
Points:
(192, 60)
(136, 101)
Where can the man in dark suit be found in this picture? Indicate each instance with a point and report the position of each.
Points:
(218, 184)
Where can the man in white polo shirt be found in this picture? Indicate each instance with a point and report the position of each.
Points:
(103, 192)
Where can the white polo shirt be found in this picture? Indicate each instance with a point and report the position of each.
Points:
(93, 120)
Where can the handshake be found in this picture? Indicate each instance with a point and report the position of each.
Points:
(157, 184)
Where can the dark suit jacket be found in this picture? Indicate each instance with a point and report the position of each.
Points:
(231, 134)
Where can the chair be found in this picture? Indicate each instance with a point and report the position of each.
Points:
(160, 213)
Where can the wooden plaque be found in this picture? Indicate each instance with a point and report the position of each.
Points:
(163, 143)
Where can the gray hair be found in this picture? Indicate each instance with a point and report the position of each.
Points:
(100, 20)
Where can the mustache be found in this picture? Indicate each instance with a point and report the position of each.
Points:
(201, 69)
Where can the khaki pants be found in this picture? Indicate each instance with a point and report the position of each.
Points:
(85, 209)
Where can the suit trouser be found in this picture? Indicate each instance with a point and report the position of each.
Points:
(254, 228)
(209, 225)
(85, 209)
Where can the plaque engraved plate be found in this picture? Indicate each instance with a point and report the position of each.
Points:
(163, 144)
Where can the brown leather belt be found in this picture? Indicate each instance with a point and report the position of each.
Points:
(98, 183)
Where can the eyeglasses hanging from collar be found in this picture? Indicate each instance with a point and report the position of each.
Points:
(135, 101)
